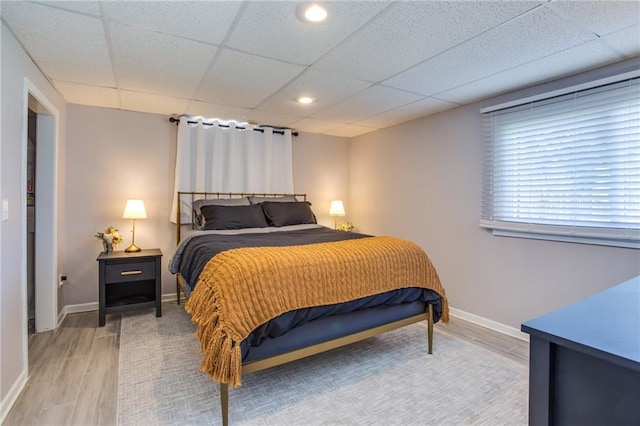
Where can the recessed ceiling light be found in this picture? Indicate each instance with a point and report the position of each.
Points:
(306, 100)
(312, 12)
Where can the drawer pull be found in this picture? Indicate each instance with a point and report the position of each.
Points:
(130, 273)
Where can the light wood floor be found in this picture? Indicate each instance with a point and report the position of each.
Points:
(73, 376)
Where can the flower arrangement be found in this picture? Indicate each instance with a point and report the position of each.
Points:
(345, 226)
(110, 236)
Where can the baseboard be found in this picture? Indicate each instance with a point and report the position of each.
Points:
(12, 395)
(490, 324)
(61, 316)
(93, 306)
(169, 297)
(74, 309)
(81, 307)
(458, 313)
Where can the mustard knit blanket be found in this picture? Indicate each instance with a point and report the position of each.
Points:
(241, 289)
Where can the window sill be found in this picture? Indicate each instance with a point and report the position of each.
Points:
(594, 236)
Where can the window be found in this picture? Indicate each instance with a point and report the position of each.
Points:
(566, 167)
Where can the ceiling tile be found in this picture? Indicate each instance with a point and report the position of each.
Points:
(88, 95)
(601, 17)
(514, 43)
(272, 29)
(350, 131)
(51, 36)
(328, 89)
(90, 7)
(408, 112)
(410, 32)
(371, 101)
(172, 66)
(272, 118)
(223, 112)
(561, 64)
(625, 41)
(311, 125)
(207, 21)
(144, 102)
(241, 79)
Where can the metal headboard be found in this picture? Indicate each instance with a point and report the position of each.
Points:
(198, 195)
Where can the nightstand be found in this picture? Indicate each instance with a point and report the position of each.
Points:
(129, 281)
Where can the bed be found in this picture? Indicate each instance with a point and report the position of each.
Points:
(267, 285)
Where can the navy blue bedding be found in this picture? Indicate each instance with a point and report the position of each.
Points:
(203, 247)
(289, 320)
(200, 249)
(330, 328)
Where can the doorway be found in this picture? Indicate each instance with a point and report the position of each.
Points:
(44, 256)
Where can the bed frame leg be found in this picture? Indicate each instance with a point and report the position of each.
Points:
(224, 403)
(430, 327)
(178, 290)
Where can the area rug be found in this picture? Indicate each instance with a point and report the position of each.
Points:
(385, 380)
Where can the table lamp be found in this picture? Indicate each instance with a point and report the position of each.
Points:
(336, 209)
(134, 209)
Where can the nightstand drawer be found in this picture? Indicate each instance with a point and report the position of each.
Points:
(130, 271)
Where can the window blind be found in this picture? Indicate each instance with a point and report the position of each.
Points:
(566, 167)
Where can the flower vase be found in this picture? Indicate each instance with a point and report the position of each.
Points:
(108, 247)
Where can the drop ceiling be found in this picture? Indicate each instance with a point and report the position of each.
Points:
(370, 65)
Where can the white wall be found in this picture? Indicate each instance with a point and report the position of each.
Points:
(16, 65)
(113, 155)
(421, 180)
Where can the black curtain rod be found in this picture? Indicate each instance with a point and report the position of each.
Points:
(279, 132)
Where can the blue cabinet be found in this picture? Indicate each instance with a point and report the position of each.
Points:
(585, 361)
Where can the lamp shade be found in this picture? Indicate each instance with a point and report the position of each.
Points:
(134, 209)
(337, 208)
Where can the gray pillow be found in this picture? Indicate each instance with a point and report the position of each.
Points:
(233, 217)
(197, 205)
(283, 214)
(283, 199)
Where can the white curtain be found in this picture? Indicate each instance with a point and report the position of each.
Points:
(228, 159)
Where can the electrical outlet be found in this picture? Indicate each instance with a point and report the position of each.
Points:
(61, 279)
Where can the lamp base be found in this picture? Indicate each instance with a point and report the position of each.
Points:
(132, 249)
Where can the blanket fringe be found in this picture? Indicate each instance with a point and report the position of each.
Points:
(223, 359)
(444, 316)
